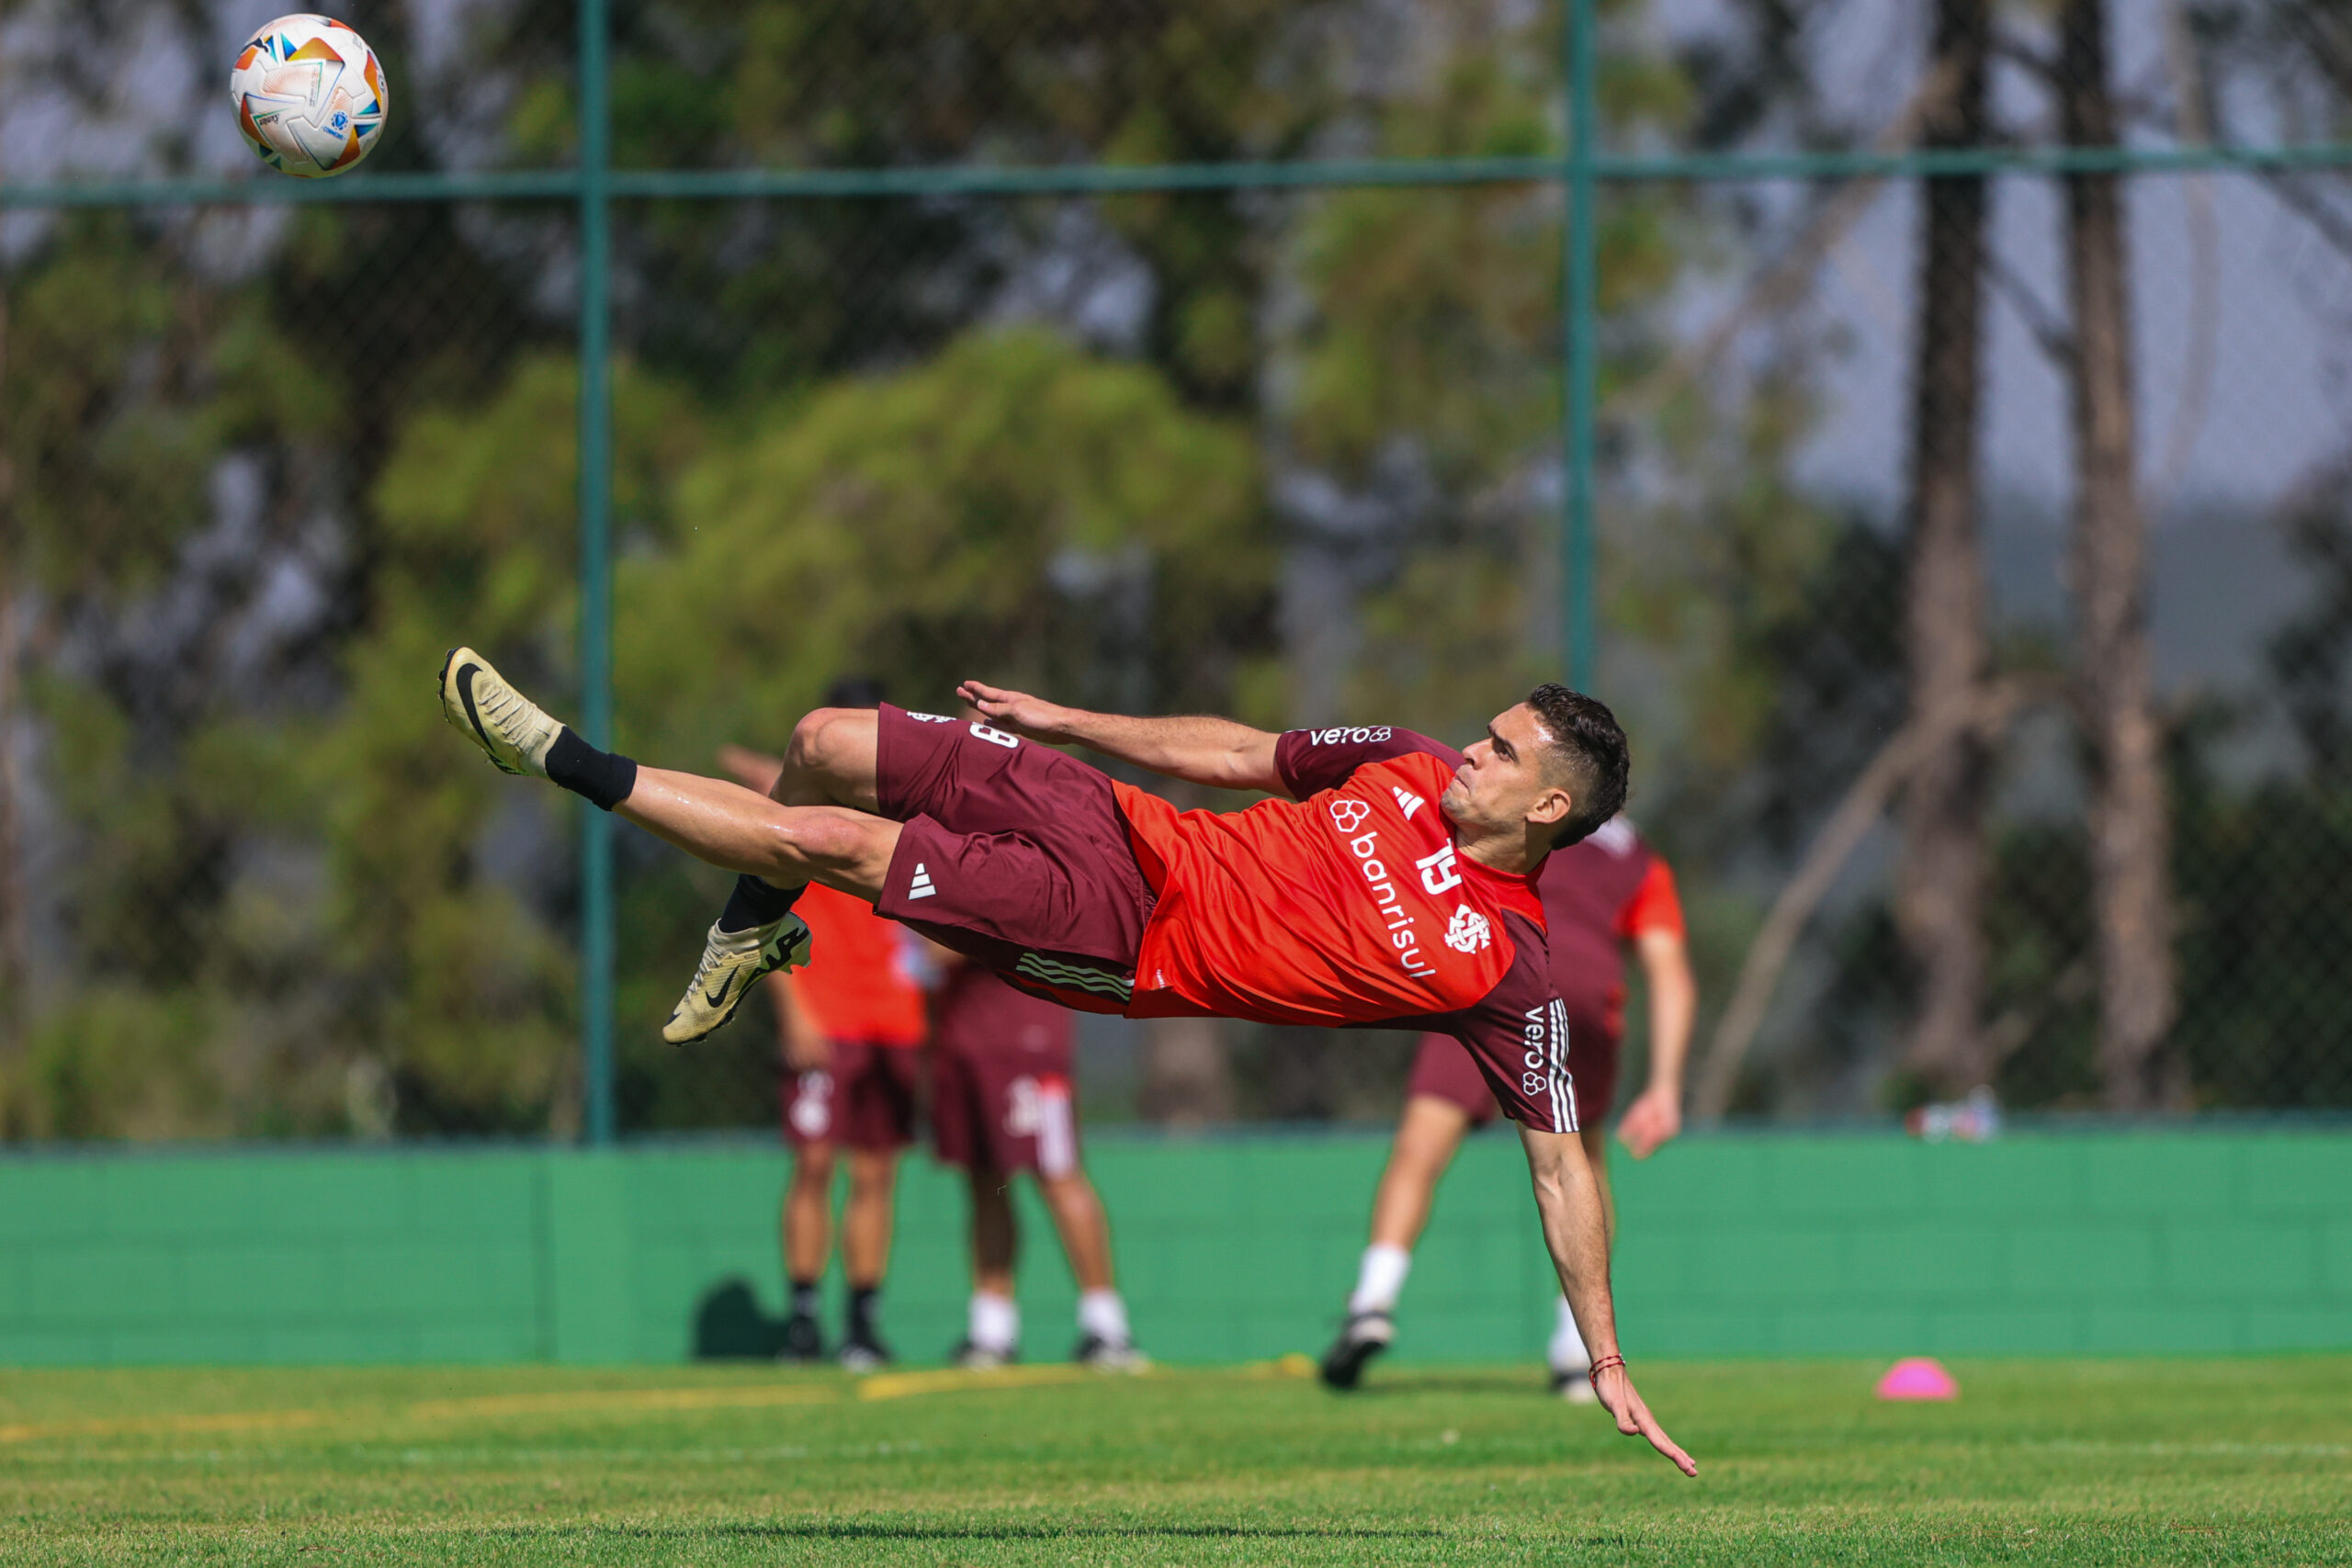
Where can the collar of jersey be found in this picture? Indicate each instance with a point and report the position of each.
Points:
(1516, 890)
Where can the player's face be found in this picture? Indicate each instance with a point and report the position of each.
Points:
(1503, 782)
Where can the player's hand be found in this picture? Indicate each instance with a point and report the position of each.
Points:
(1017, 712)
(1615, 1391)
(752, 770)
(1652, 1120)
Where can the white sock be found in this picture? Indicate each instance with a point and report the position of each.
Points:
(1103, 1315)
(1567, 1352)
(995, 1324)
(1379, 1279)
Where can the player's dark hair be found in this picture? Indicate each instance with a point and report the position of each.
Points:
(1586, 740)
(854, 692)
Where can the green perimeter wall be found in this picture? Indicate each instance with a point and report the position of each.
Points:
(1229, 1249)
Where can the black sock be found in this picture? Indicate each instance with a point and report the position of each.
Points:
(863, 1299)
(755, 903)
(804, 1298)
(604, 777)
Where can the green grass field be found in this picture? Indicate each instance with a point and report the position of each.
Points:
(2039, 1462)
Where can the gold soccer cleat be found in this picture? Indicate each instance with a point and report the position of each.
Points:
(731, 961)
(515, 732)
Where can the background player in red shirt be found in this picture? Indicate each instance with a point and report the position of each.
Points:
(1386, 879)
(1607, 894)
(1004, 1099)
(849, 1025)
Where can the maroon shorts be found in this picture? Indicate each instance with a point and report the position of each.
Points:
(865, 1100)
(1442, 1070)
(1004, 1110)
(1014, 854)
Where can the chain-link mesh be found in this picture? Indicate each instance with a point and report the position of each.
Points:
(1875, 457)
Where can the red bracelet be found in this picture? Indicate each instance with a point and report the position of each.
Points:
(1603, 1364)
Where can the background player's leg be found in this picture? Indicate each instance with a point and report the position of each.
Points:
(1428, 1135)
(807, 1238)
(1104, 1338)
(1571, 1364)
(993, 1336)
(866, 1250)
(1085, 1229)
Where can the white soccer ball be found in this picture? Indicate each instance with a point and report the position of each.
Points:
(310, 96)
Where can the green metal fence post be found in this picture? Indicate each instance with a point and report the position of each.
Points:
(595, 561)
(1579, 313)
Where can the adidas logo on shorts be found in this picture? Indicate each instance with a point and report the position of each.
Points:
(921, 886)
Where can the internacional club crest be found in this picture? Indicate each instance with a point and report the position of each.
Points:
(1468, 930)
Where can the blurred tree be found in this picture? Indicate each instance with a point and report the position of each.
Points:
(2129, 870)
(451, 900)
(125, 380)
(950, 520)
(1939, 882)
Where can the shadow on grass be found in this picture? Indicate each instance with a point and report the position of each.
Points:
(1404, 1382)
(857, 1530)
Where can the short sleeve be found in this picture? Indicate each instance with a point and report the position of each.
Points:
(1518, 1034)
(1655, 905)
(1312, 760)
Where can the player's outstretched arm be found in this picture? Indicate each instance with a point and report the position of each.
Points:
(1195, 748)
(1574, 1230)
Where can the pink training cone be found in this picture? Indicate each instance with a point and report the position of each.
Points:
(1918, 1377)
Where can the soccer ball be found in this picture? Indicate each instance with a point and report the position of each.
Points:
(310, 96)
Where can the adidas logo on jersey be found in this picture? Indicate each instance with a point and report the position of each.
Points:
(1407, 799)
(921, 886)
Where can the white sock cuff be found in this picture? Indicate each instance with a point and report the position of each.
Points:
(1104, 1315)
(1380, 1278)
(995, 1323)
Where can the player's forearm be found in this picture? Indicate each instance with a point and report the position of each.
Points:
(1197, 748)
(1674, 1009)
(1576, 1232)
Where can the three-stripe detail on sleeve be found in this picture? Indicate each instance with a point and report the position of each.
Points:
(1562, 1086)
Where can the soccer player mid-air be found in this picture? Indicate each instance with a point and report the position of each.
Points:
(1388, 882)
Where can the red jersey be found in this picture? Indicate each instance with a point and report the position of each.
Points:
(1597, 895)
(859, 984)
(1351, 905)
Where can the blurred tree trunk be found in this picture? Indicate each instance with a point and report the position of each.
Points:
(2115, 683)
(14, 970)
(1185, 1081)
(1941, 880)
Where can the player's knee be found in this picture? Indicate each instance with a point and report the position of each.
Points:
(1069, 1190)
(827, 742)
(812, 1166)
